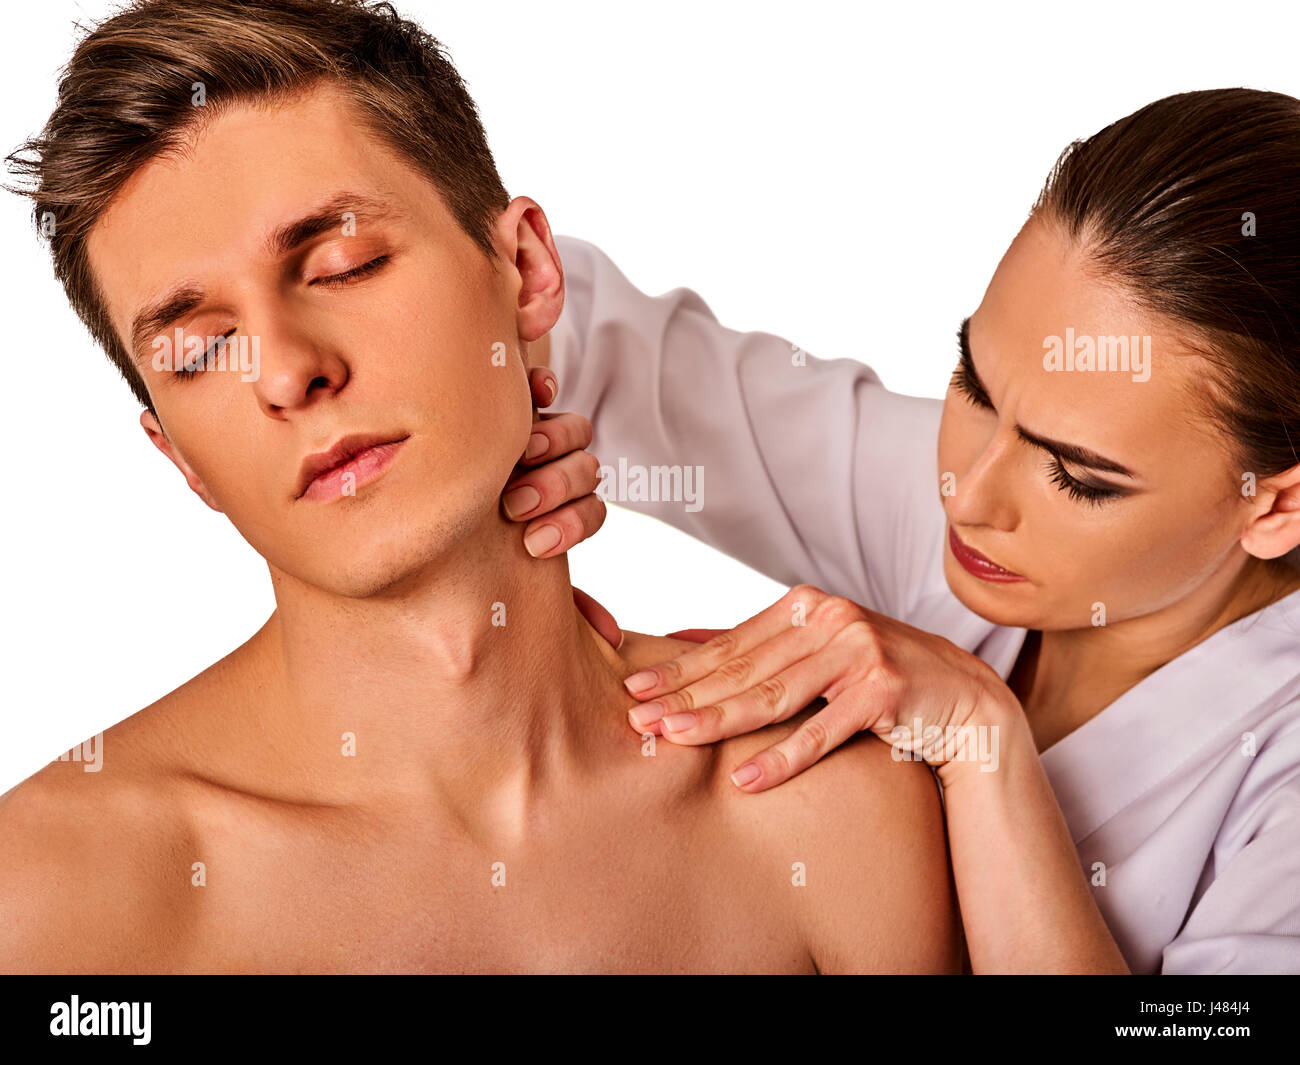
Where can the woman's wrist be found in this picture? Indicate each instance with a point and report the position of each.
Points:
(996, 733)
(1011, 849)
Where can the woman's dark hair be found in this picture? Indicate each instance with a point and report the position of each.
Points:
(1192, 205)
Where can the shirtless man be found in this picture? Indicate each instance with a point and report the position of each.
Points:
(422, 761)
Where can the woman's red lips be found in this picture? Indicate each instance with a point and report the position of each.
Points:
(364, 456)
(973, 562)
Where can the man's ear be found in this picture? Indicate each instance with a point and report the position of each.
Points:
(154, 430)
(523, 236)
(1276, 531)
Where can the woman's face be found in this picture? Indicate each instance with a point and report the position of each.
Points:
(1080, 534)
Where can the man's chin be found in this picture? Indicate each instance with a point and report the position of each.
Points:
(389, 552)
(386, 570)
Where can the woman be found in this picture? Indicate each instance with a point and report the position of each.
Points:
(1111, 553)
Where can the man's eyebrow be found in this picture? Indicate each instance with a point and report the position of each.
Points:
(179, 301)
(327, 216)
(184, 297)
(1074, 454)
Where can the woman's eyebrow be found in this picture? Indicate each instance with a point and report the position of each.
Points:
(1074, 454)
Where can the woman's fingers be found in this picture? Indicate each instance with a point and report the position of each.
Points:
(792, 611)
(778, 695)
(565, 527)
(542, 490)
(554, 435)
(759, 668)
(695, 635)
(544, 386)
(820, 734)
(557, 498)
(599, 618)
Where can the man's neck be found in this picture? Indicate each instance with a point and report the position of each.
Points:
(478, 686)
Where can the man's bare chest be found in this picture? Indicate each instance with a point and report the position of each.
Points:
(406, 901)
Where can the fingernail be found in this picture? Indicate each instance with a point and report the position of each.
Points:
(552, 385)
(746, 774)
(645, 716)
(641, 682)
(680, 722)
(536, 445)
(539, 541)
(521, 500)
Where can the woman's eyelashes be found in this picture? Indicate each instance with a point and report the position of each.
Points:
(1076, 489)
(348, 276)
(961, 380)
(1081, 491)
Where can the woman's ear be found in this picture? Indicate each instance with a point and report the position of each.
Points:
(523, 237)
(1274, 532)
(154, 430)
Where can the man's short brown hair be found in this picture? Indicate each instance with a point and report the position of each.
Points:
(142, 81)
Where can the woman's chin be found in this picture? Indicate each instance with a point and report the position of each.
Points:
(1008, 603)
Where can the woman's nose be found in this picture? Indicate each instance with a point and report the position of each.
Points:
(984, 493)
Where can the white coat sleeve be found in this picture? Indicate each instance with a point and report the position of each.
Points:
(812, 471)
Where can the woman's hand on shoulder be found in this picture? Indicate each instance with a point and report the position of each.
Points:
(922, 694)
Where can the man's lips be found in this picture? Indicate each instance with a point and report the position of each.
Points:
(365, 455)
(980, 565)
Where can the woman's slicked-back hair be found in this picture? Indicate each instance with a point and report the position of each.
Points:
(1192, 206)
(142, 81)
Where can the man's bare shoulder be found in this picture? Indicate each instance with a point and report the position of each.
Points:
(855, 845)
(91, 869)
(858, 845)
(96, 846)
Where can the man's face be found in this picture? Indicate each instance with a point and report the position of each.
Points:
(393, 324)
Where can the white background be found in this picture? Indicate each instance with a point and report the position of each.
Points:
(840, 174)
